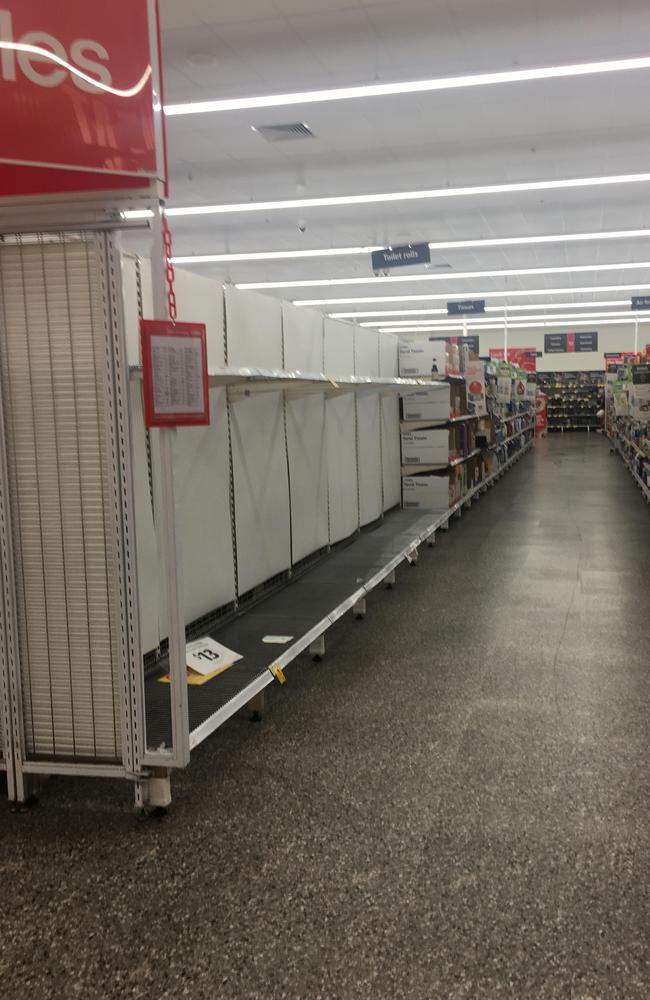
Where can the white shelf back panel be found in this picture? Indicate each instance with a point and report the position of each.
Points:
(202, 482)
(341, 435)
(261, 482)
(303, 338)
(200, 300)
(369, 429)
(261, 490)
(254, 324)
(54, 324)
(306, 439)
(389, 366)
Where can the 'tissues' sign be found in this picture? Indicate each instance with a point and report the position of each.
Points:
(78, 83)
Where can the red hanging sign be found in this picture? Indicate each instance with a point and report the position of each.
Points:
(523, 357)
(80, 96)
(175, 371)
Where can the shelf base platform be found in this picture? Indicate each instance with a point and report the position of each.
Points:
(304, 609)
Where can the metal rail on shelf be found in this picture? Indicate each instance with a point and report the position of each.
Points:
(421, 425)
(513, 437)
(241, 383)
(302, 609)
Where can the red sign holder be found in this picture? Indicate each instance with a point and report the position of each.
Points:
(175, 371)
(82, 106)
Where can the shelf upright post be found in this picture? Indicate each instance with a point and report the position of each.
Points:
(169, 543)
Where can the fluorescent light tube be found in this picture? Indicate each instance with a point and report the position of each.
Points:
(450, 296)
(404, 278)
(505, 241)
(385, 313)
(519, 325)
(408, 87)
(222, 258)
(399, 196)
(477, 321)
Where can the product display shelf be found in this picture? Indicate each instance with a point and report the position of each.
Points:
(499, 444)
(574, 399)
(302, 611)
(616, 446)
(411, 470)
(421, 425)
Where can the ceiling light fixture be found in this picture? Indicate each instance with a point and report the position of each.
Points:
(478, 321)
(508, 272)
(223, 258)
(520, 325)
(396, 196)
(408, 87)
(505, 241)
(448, 296)
(385, 313)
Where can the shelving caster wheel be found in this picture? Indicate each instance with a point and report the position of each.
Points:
(153, 796)
(467, 506)
(359, 609)
(317, 649)
(458, 513)
(390, 580)
(431, 540)
(444, 526)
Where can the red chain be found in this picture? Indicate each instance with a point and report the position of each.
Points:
(169, 270)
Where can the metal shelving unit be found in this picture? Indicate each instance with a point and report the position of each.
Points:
(306, 608)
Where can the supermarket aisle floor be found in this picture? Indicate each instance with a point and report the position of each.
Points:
(453, 805)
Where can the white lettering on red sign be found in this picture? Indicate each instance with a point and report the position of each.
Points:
(45, 72)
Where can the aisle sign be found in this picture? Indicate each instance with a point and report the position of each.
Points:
(570, 343)
(81, 108)
(640, 302)
(468, 307)
(175, 371)
(406, 256)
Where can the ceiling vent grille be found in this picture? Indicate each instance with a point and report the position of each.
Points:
(284, 133)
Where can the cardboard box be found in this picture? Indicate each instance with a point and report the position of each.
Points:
(422, 358)
(425, 447)
(453, 358)
(426, 493)
(427, 404)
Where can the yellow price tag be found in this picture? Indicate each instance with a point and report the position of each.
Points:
(278, 673)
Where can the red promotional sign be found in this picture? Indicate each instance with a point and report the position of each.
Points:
(175, 372)
(523, 357)
(80, 95)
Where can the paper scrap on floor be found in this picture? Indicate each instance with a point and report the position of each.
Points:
(207, 655)
(206, 658)
(277, 640)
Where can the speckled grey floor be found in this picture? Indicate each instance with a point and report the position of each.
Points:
(454, 804)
